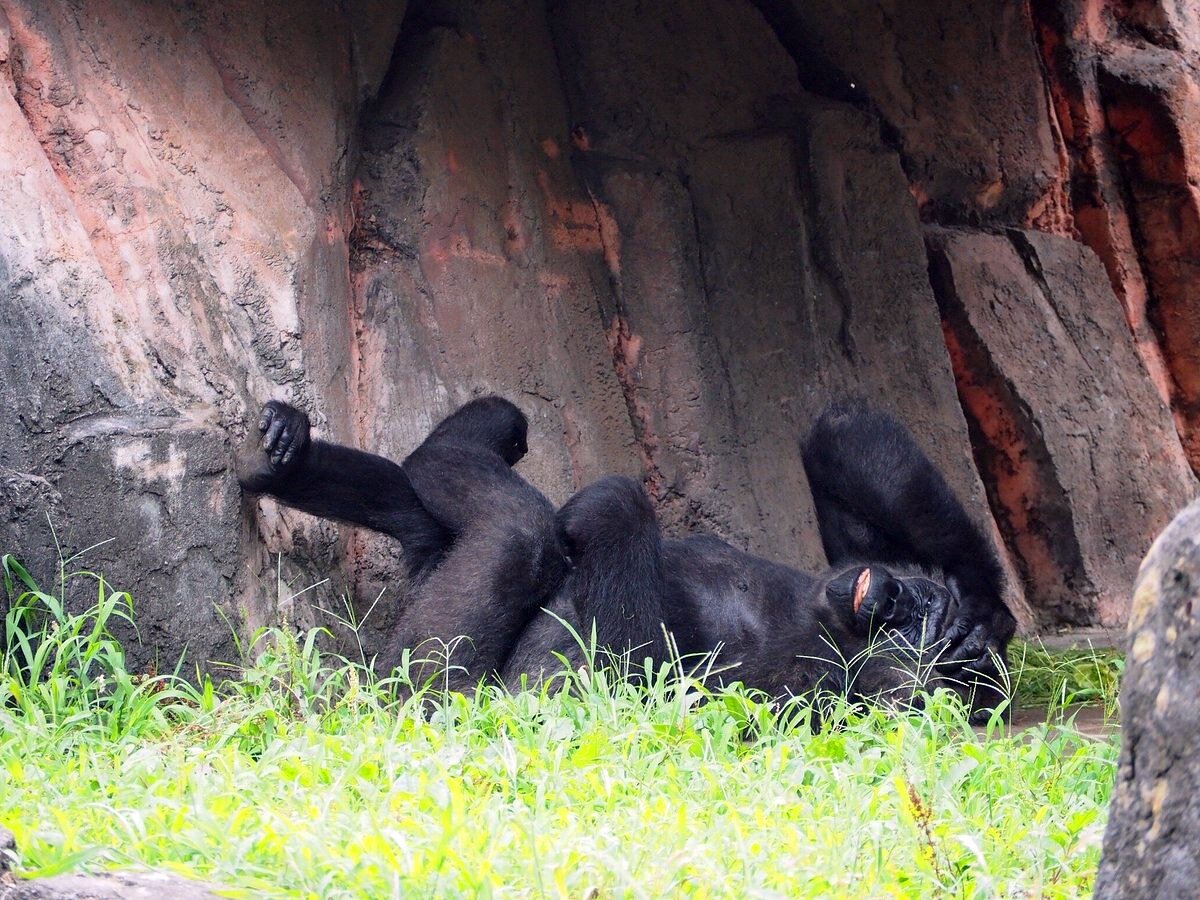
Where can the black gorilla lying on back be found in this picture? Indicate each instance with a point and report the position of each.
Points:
(911, 601)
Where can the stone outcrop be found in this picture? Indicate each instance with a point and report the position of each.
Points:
(129, 885)
(1080, 459)
(1153, 835)
(958, 91)
(173, 250)
(1122, 78)
(670, 232)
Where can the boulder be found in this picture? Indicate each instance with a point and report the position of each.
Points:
(130, 885)
(1152, 844)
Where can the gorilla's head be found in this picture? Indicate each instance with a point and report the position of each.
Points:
(908, 607)
(492, 422)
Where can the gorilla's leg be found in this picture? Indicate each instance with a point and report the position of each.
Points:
(612, 536)
(462, 470)
(548, 639)
(466, 617)
(489, 423)
(506, 560)
(336, 482)
(360, 488)
(879, 499)
(480, 542)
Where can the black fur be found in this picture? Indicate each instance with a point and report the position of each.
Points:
(506, 559)
(488, 552)
(612, 535)
(482, 548)
(336, 482)
(879, 498)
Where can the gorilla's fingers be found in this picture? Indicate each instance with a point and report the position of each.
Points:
(281, 447)
(955, 634)
(971, 647)
(272, 437)
(264, 417)
(965, 636)
(988, 664)
(1004, 626)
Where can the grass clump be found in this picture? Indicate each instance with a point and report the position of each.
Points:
(1057, 679)
(308, 776)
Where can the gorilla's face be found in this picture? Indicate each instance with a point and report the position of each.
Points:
(912, 608)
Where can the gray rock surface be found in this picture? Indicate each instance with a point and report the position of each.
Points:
(976, 147)
(109, 886)
(1152, 845)
(750, 286)
(8, 847)
(123, 885)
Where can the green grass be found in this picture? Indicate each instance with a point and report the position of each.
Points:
(308, 777)
(1063, 678)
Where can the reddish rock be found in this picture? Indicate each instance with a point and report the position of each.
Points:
(478, 264)
(1152, 107)
(1074, 443)
(172, 251)
(1126, 97)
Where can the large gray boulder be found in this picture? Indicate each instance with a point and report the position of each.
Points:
(1152, 846)
(109, 886)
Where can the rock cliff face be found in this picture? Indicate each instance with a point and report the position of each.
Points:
(670, 232)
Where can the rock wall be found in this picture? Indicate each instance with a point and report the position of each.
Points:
(670, 232)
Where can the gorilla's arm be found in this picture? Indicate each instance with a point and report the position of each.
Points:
(336, 482)
(879, 498)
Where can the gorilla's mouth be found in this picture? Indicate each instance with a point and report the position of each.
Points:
(861, 585)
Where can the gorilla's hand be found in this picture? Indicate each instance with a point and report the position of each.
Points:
(273, 453)
(979, 630)
(285, 434)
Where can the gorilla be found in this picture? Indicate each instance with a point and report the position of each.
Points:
(503, 584)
